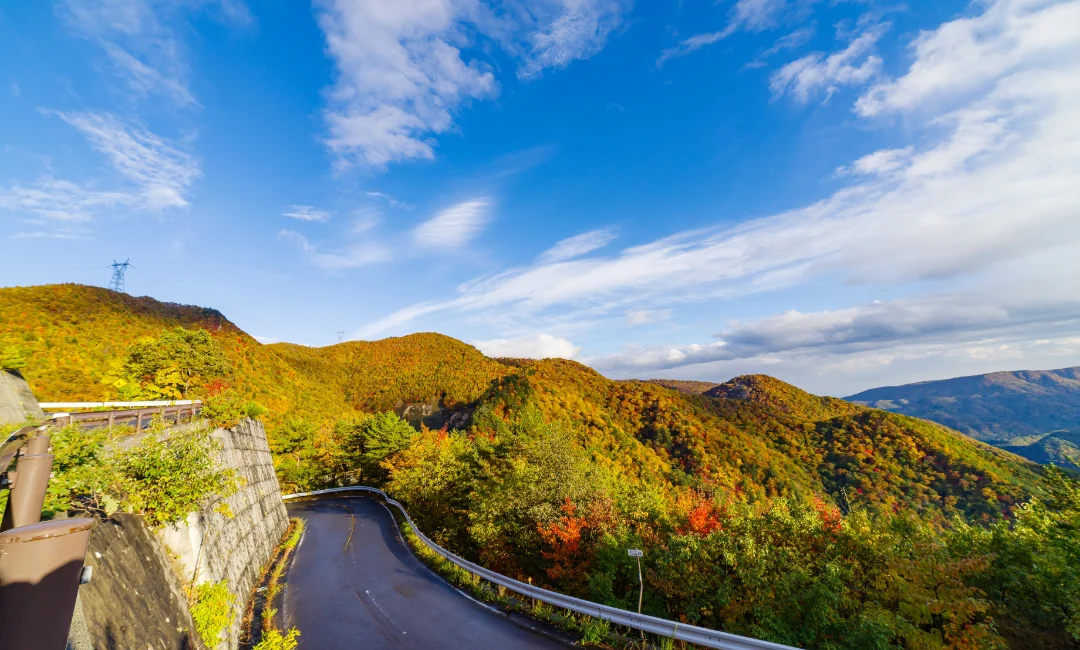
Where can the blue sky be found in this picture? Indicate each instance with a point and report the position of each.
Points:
(843, 194)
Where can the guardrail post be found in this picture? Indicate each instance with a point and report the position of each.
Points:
(40, 566)
(27, 494)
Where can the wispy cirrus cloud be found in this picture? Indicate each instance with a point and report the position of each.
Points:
(578, 245)
(141, 42)
(751, 15)
(349, 257)
(456, 225)
(566, 31)
(306, 213)
(817, 74)
(154, 175)
(404, 69)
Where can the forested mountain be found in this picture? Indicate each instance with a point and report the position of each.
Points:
(1035, 413)
(762, 509)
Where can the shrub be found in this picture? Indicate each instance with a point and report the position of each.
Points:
(166, 480)
(212, 611)
(595, 631)
(82, 470)
(227, 407)
(274, 640)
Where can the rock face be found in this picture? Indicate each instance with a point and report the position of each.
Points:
(17, 401)
(233, 538)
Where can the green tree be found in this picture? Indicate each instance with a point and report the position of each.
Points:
(1034, 574)
(178, 358)
(371, 440)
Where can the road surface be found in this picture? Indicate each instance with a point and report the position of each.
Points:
(354, 584)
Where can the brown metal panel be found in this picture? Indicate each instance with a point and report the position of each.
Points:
(40, 567)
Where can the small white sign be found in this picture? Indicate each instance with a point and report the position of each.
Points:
(635, 553)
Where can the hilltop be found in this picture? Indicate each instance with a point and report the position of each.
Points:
(753, 435)
(1035, 413)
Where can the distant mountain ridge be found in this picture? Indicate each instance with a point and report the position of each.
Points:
(1034, 413)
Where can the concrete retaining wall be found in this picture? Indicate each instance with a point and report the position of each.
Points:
(17, 400)
(136, 600)
(233, 538)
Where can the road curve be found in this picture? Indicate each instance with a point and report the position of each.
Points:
(354, 584)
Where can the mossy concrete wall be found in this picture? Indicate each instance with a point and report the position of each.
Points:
(135, 599)
(233, 538)
(17, 401)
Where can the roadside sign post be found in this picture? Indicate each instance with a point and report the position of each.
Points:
(636, 553)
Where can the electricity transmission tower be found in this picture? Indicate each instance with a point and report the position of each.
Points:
(117, 282)
(340, 336)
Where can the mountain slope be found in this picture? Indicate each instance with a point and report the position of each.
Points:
(754, 435)
(1035, 413)
(67, 338)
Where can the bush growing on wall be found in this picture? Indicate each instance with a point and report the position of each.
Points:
(164, 480)
(212, 610)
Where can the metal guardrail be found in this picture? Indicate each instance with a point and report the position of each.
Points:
(176, 411)
(660, 626)
(50, 406)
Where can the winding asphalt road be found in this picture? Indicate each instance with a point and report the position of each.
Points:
(354, 584)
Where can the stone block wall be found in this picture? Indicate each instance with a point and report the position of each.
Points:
(234, 537)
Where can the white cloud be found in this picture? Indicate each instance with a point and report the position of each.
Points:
(752, 15)
(455, 226)
(540, 346)
(816, 73)
(163, 173)
(970, 54)
(875, 326)
(351, 257)
(16, 91)
(879, 162)
(690, 45)
(159, 174)
(140, 39)
(990, 184)
(647, 316)
(578, 245)
(145, 80)
(576, 29)
(405, 67)
(391, 201)
(306, 213)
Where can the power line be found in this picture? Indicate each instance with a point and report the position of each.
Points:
(117, 281)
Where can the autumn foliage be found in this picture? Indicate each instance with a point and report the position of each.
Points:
(762, 510)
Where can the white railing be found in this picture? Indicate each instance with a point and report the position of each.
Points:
(660, 626)
(97, 405)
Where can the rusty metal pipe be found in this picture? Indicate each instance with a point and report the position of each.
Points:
(40, 566)
(38, 445)
(28, 491)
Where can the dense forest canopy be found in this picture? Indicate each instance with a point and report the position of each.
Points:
(1033, 413)
(762, 509)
